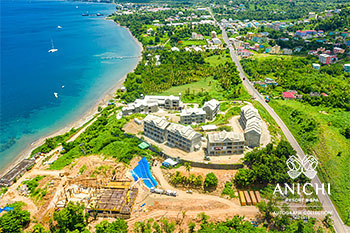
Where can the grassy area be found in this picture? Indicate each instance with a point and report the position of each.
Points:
(331, 147)
(218, 59)
(193, 42)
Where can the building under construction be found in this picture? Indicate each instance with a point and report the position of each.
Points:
(115, 199)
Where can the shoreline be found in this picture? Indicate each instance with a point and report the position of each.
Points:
(81, 120)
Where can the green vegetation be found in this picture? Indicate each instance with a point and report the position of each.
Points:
(3, 190)
(33, 187)
(190, 181)
(15, 220)
(296, 73)
(265, 166)
(70, 219)
(228, 190)
(52, 143)
(82, 169)
(211, 181)
(181, 68)
(104, 136)
(272, 9)
(118, 225)
(330, 145)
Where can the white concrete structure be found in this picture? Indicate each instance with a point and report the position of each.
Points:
(211, 108)
(155, 128)
(190, 116)
(225, 143)
(150, 104)
(183, 137)
(251, 122)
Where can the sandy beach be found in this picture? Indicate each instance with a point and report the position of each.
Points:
(85, 117)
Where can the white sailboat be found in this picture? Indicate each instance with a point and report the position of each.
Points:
(55, 94)
(59, 26)
(53, 48)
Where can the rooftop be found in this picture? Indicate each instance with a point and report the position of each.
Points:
(225, 136)
(159, 122)
(184, 131)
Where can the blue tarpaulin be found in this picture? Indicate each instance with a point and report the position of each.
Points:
(143, 171)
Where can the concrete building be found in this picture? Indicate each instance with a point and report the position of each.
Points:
(183, 137)
(175, 135)
(251, 122)
(211, 108)
(150, 104)
(225, 143)
(155, 128)
(189, 116)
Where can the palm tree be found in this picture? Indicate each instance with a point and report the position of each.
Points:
(188, 167)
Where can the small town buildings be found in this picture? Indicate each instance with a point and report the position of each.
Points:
(155, 128)
(213, 34)
(183, 137)
(251, 122)
(211, 108)
(190, 116)
(347, 68)
(9, 178)
(288, 95)
(225, 143)
(316, 66)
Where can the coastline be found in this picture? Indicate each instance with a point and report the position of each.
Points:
(81, 120)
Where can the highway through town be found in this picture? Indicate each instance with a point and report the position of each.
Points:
(324, 198)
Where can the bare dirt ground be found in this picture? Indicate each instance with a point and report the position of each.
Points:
(185, 207)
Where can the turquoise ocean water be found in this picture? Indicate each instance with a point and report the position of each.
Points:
(30, 75)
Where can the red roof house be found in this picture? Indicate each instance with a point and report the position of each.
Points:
(288, 95)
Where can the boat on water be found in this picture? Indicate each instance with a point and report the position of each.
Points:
(86, 14)
(55, 94)
(52, 50)
(62, 86)
(99, 14)
(59, 27)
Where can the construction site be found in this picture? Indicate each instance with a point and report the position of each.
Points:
(115, 199)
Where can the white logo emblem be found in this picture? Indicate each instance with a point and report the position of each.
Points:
(297, 166)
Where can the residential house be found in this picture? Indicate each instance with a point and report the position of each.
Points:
(155, 128)
(225, 143)
(213, 34)
(189, 116)
(289, 95)
(211, 108)
(216, 41)
(183, 137)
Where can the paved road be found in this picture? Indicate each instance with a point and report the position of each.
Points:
(324, 199)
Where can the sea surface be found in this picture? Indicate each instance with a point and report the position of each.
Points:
(30, 75)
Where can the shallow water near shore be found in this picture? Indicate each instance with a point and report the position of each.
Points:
(77, 72)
